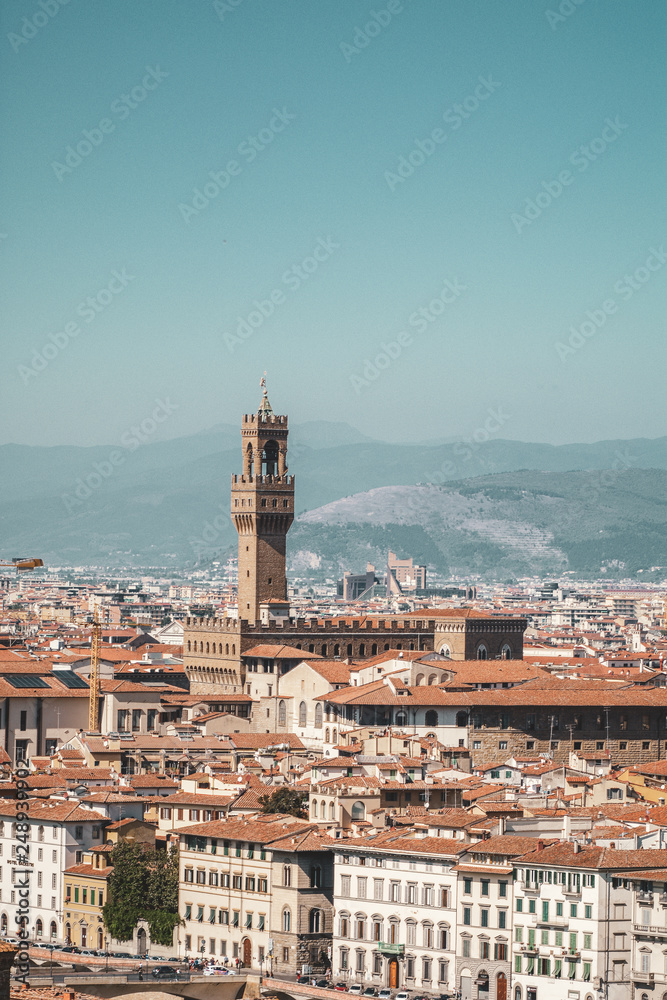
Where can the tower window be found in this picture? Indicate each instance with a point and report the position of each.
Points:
(247, 572)
(284, 503)
(270, 579)
(274, 503)
(263, 503)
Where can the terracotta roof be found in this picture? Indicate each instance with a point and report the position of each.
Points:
(261, 829)
(89, 870)
(588, 856)
(269, 651)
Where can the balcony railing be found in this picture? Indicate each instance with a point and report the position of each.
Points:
(650, 929)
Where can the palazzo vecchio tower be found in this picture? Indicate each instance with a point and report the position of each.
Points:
(262, 510)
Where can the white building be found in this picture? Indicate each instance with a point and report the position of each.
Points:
(395, 911)
(58, 834)
(573, 923)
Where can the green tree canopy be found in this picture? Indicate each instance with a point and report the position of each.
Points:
(285, 800)
(143, 885)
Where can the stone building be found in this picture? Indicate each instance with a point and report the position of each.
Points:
(302, 903)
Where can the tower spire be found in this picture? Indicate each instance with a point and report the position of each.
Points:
(264, 407)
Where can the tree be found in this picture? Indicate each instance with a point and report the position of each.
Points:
(285, 800)
(142, 885)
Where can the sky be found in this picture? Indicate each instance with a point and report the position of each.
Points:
(417, 217)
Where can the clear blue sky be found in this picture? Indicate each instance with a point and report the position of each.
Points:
(218, 73)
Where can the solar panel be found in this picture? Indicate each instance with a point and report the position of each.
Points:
(26, 680)
(70, 679)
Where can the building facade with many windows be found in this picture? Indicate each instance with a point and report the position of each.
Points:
(395, 915)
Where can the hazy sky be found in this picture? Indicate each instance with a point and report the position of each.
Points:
(500, 167)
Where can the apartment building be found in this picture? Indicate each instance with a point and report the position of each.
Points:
(85, 887)
(647, 965)
(58, 834)
(395, 911)
(573, 922)
(226, 884)
(484, 916)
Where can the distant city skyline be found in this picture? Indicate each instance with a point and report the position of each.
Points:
(412, 216)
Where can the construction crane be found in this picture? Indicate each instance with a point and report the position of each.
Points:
(94, 699)
(20, 565)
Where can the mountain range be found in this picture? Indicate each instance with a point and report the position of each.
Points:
(515, 505)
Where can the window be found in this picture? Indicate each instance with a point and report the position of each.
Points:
(500, 952)
(303, 712)
(588, 912)
(287, 921)
(484, 915)
(467, 886)
(502, 918)
(485, 887)
(465, 947)
(361, 888)
(287, 875)
(467, 916)
(502, 889)
(484, 949)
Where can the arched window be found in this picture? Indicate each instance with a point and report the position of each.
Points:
(432, 679)
(332, 811)
(427, 935)
(462, 719)
(189, 646)
(401, 718)
(270, 459)
(374, 649)
(302, 713)
(53, 930)
(282, 713)
(227, 649)
(213, 648)
(443, 937)
(68, 934)
(506, 652)
(39, 927)
(376, 932)
(3, 923)
(445, 650)
(324, 649)
(358, 810)
(326, 735)
(362, 649)
(315, 921)
(482, 652)
(287, 921)
(334, 735)
(419, 679)
(336, 649)
(431, 717)
(318, 715)
(313, 808)
(233, 649)
(311, 647)
(100, 938)
(393, 930)
(349, 649)
(207, 648)
(344, 925)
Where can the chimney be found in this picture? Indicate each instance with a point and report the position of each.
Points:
(540, 845)
(576, 847)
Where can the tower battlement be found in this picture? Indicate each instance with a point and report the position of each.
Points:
(264, 418)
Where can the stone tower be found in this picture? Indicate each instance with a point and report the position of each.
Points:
(262, 510)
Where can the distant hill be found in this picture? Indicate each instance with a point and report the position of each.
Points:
(167, 502)
(510, 524)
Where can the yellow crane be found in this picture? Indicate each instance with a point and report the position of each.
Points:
(94, 699)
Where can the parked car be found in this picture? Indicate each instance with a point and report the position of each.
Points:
(370, 991)
(121, 954)
(215, 970)
(160, 971)
(356, 989)
(47, 945)
(88, 951)
(401, 995)
(384, 994)
(323, 984)
(70, 949)
(341, 987)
